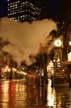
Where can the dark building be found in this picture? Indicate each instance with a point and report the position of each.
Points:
(24, 10)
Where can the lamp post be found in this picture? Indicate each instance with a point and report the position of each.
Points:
(57, 55)
(58, 50)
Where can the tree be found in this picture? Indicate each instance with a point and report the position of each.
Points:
(2, 44)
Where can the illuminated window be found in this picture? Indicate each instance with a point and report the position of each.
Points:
(23, 9)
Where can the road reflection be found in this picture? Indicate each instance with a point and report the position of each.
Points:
(17, 94)
(51, 97)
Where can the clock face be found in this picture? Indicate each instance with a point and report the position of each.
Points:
(57, 43)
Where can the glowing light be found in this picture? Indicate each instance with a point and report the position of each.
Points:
(50, 69)
(70, 43)
(57, 43)
(14, 69)
(9, 69)
(6, 69)
(69, 56)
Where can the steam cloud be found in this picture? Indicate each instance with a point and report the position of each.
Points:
(25, 38)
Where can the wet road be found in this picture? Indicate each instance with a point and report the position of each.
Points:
(18, 94)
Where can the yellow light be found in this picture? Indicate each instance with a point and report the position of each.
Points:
(70, 43)
(14, 69)
(51, 99)
(58, 43)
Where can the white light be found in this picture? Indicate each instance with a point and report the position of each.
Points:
(70, 43)
(57, 43)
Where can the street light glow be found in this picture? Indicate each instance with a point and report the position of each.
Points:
(70, 42)
(57, 43)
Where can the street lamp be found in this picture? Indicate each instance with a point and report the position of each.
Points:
(58, 49)
(58, 43)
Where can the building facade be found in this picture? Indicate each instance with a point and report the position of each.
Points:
(24, 10)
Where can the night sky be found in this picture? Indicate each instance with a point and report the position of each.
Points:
(51, 8)
(3, 8)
